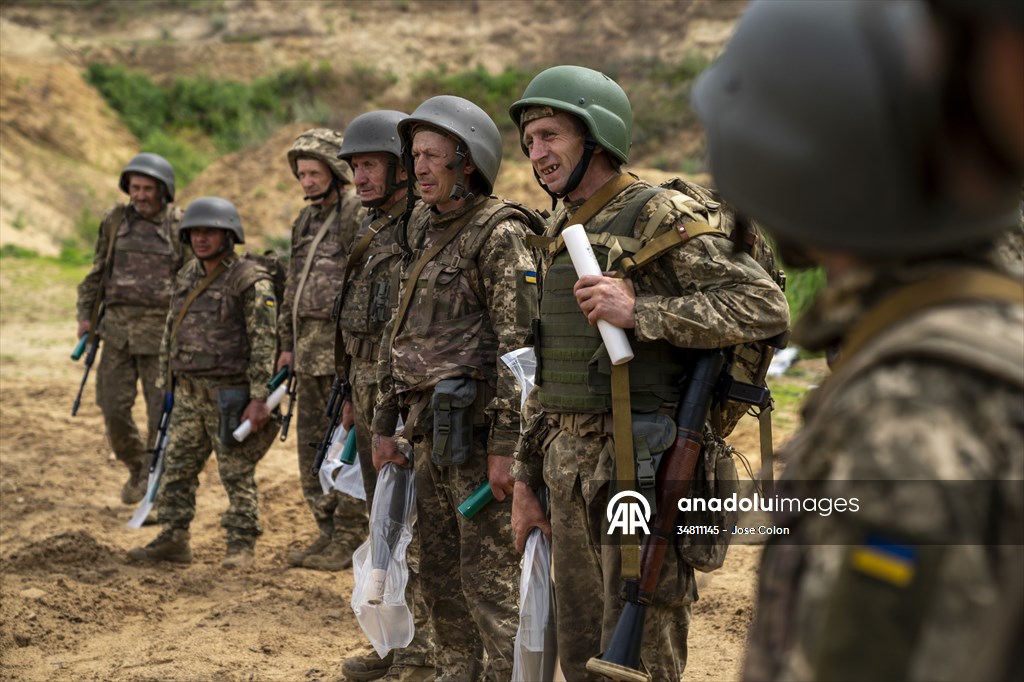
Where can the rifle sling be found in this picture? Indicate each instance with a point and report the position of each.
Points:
(307, 266)
(192, 296)
(625, 463)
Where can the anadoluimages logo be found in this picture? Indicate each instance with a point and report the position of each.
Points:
(628, 515)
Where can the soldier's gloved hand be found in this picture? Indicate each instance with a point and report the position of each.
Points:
(607, 298)
(386, 450)
(500, 477)
(348, 415)
(83, 327)
(285, 358)
(527, 514)
(257, 413)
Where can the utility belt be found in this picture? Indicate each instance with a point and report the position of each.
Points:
(454, 414)
(359, 348)
(230, 394)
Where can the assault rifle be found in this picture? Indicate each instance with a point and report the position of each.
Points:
(621, 660)
(292, 386)
(88, 345)
(156, 464)
(340, 390)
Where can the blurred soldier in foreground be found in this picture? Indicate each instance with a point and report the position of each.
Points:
(467, 298)
(373, 150)
(321, 240)
(826, 123)
(137, 254)
(575, 125)
(217, 355)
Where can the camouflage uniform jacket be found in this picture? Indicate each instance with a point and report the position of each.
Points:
(498, 287)
(231, 321)
(723, 299)
(147, 253)
(313, 341)
(923, 429)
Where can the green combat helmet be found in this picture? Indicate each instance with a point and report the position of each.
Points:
(592, 96)
(322, 144)
(371, 133)
(154, 166)
(818, 128)
(213, 212)
(470, 126)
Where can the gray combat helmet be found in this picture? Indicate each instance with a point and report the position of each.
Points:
(152, 165)
(372, 132)
(212, 212)
(466, 122)
(817, 129)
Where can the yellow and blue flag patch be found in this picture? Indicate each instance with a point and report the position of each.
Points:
(530, 276)
(891, 563)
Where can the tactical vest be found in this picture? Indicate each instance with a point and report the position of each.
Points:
(327, 272)
(212, 339)
(447, 332)
(144, 260)
(575, 372)
(372, 290)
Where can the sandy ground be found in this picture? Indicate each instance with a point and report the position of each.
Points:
(72, 607)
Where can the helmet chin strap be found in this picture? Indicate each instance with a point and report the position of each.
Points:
(229, 243)
(390, 185)
(458, 164)
(330, 188)
(589, 144)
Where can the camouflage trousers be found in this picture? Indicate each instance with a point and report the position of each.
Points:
(117, 379)
(363, 378)
(192, 435)
(341, 515)
(469, 569)
(588, 579)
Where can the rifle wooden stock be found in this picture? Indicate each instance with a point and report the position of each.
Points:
(621, 660)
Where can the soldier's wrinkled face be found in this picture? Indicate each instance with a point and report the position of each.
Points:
(145, 194)
(207, 242)
(555, 146)
(431, 154)
(314, 176)
(371, 175)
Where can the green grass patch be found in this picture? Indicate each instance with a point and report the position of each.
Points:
(802, 287)
(15, 251)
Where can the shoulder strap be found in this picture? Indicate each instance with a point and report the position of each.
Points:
(309, 264)
(666, 241)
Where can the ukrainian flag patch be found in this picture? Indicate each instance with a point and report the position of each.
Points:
(886, 561)
(268, 301)
(530, 276)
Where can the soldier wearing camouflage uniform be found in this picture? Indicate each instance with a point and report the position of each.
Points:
(374, 151)
(217, 356)
(321, 239)
(467, 298)
(923, 418)
(575, 125)
(134, 288)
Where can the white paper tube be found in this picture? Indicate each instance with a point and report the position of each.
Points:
(245, 428)
(583, 259)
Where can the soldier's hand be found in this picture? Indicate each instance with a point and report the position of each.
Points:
(385, 450)
(285, 358)
(257, 413)
(83, 327)
(607, 298)
(348, 415)
(527, 515)
(499, 476)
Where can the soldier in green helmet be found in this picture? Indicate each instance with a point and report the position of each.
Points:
(575, 126)
(137, 254)
(832, 125)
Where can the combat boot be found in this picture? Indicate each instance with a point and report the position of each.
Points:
(171, 545)
(134, 489)
(239, 555)
(335, 557)
(368, 667)
(409, 673)
(319, 545)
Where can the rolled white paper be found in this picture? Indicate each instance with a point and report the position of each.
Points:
(583, 259)
(245, 428)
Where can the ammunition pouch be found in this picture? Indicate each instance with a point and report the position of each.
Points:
(231, 403)
(452, 404)
(715, 476)
(380, 303)
(653, 434)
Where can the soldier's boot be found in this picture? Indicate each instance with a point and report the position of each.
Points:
(409, 673)
(239, 555)
(319, 545)
(337, 556)
(134, 489)
(368, 667)
(171, 545)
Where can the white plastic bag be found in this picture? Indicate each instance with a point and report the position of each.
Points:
(536, 652)
(380, 566)
(523, 364)
(335, 474)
